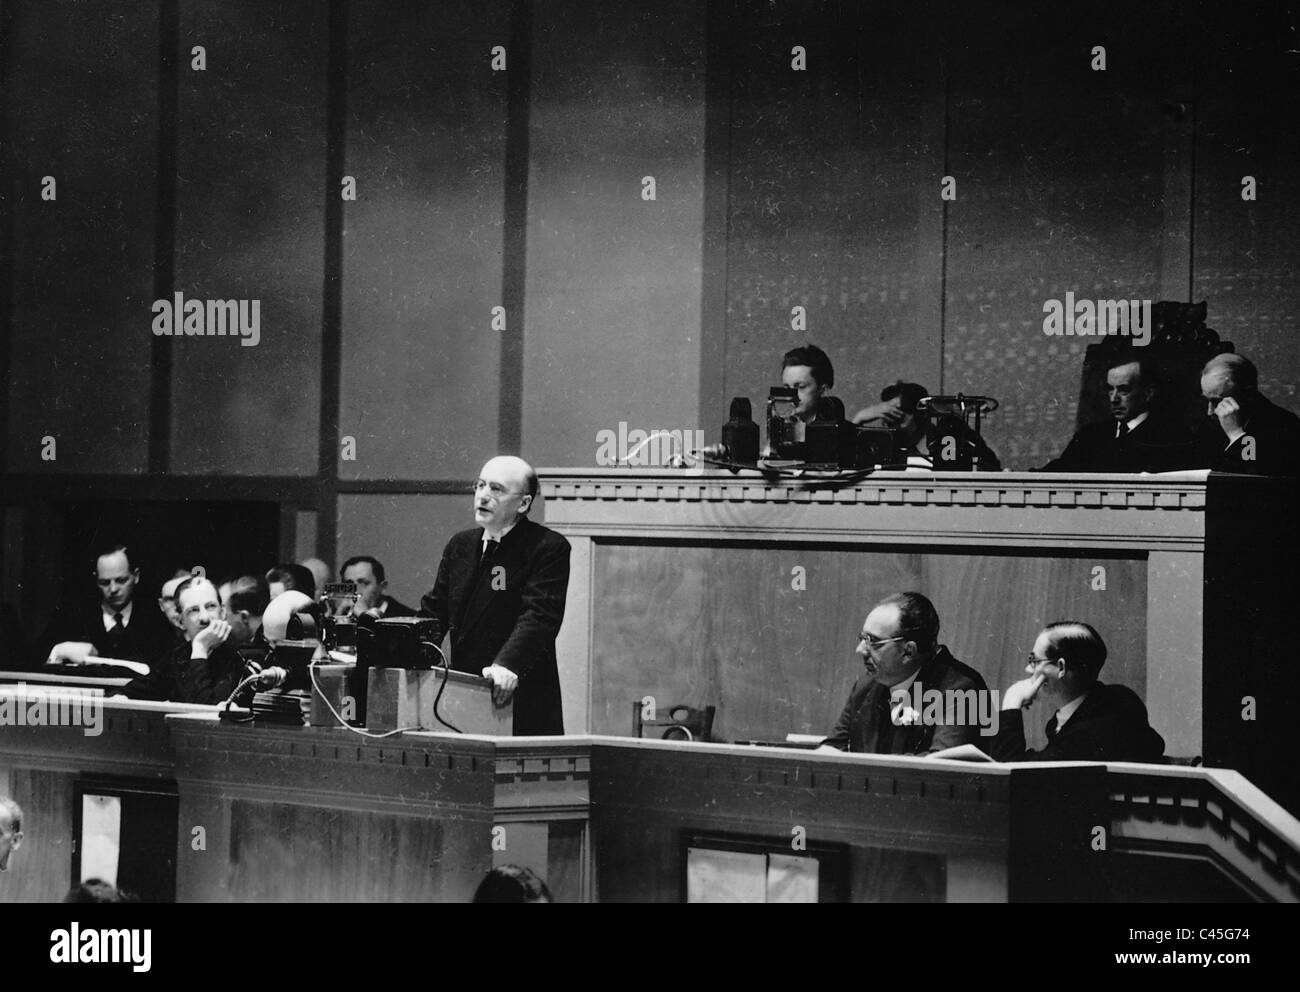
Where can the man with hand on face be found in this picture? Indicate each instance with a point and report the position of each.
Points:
(372, 588)
(1136, 438)
(243, 607)
(899, 410)
(1092, 722)
(114, 628)
(500, 594)
(1244, 432)
(206, 668)
(899, 646)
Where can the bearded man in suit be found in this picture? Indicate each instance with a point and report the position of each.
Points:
(500, 594)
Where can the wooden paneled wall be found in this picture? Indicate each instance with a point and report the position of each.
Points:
(729, 625)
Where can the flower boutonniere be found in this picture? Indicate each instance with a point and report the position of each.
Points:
(902, 715)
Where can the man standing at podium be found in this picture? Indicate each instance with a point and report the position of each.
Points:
(500, 594)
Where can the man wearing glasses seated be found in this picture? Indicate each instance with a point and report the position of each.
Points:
(500, 594)
(1092, 721)
(904, 662)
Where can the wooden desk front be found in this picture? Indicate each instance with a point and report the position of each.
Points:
(747, 594)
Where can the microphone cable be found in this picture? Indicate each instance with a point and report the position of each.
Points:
(446, 676)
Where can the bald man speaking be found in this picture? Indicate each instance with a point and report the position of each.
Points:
(500, 594)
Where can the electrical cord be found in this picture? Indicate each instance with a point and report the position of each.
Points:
(311, 669)
(681, 454)
(844, 477)
(446, 675)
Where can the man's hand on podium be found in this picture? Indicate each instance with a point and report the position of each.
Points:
(504, 682)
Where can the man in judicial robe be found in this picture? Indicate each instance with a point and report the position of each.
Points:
(1243, 431)
(117, 626)
(206, 668)
(500, 594)
(899, 648)
(1136, 438)
(1092, 721)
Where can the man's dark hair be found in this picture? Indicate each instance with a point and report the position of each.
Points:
(117, 549)
(375, 564)
(909, 394)
(11, 811)
(917, 618)
(815, 359)
(249, 592)
(96, 890)
(294, 577)
(511, 883)
(1076, 642)
(1148, 371)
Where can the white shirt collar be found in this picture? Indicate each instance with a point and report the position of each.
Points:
(106, 614)
(902, 687)
(1069, 709)
(1132, 424)
(487, 537)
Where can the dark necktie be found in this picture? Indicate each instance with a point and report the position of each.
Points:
(489, 555)
(1121, 431)
(1051, 727)
(885, 735)
(118, 627)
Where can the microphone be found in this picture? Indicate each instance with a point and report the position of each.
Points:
(268, 678)
(719, 452)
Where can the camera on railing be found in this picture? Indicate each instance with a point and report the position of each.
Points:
(952, 432)
(338, 602)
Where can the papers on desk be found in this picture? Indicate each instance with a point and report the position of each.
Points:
(140, 668)
(962, 752)
(811, 740)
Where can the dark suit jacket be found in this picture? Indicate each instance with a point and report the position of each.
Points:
(859, 726)
(398, 609)
(178, 678)
(148, 637)
(508, 615)
(15, 656)
(1109, 725)
(1158, 444)
(1276, 435)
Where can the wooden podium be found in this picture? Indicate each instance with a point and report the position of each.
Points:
(404, 698)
